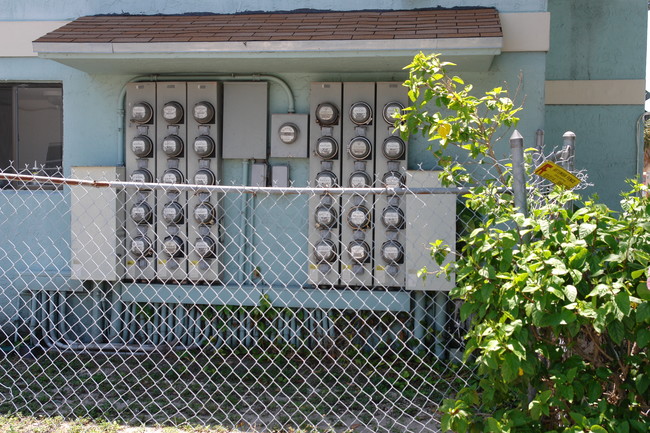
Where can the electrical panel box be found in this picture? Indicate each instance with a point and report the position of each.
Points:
(390, 168)
(325, 172)
(431, 217)
(204, 215)
(140, 160)
(280, 176)
(357, 171)
(245, 120)
(171, 161)
(289, 135)
(97, 246)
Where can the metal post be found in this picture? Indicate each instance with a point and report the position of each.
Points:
(568, 150)
(518, 171)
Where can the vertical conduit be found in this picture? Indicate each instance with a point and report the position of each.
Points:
(419, 312)
(439, 319)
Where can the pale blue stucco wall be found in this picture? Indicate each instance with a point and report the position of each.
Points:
(595, 40)
(70, 9)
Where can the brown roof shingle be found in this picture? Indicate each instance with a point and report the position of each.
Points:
(289, 26)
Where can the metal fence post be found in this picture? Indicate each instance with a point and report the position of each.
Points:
(518, 171)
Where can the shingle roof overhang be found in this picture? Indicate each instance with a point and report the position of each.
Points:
(305, 41)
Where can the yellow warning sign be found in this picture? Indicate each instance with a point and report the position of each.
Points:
(556, 174)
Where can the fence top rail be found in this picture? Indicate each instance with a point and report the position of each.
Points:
(230, 188)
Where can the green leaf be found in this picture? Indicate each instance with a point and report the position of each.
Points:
(586, 229)
(511, 365)
(616, 331)
(571, 293)
(622, 300)
(643, 312)
(597, 429)
(642, 383)
(643, 337)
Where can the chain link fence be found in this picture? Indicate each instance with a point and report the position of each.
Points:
(247, 316)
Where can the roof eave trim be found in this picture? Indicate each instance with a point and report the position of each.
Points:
(480, 45)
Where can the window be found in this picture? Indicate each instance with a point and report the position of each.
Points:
(31, 128)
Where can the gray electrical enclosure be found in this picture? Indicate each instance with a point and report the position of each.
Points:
(282, 145)
(245, 120)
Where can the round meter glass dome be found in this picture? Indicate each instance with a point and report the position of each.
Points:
(142, 146)
(327, 114)
(205, 213)
(203, 112)
(141, 112)
(327, 147)
(173, 246)
(325, 251)
(172, 145)
(360, 113)
(359, 217)
(172, 112)
(360, 148)
(325, 216)
(359, 251)
(204, 145)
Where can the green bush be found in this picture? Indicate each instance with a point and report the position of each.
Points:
(558, 301)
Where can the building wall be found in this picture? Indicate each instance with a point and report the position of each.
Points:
(599, 41)
(63, 9)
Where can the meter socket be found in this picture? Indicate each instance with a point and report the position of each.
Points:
(359, 251)
(359, 217)
(172, 213)
(392, 252)
(360, 148)
(325, 251)
(360, 113)
(142, 175)
(393, 148)
(360, 179)
(327, 148)
(206, 247)
(172, 112)
(142, 213)
(393, 179)
(390, 111)
(205, 213)
(327, 114)
(203, 112)
(204, 146)
(205, 176)
(172, 146)
(142, 146)
(325, 217)
(141, 113)
(173, 246)
(141, 246)
(326, 179)
(172, 176)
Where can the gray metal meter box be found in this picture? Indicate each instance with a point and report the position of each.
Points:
(97, 235)
(245, 120)
(429, 217)
(289, 135)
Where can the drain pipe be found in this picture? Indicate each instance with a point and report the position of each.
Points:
(192, 77)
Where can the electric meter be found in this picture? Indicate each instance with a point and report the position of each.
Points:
(204, 176)
(325, 217)
(327, 114)
(359, 148)
(203, 112)
(359, 251)
(392, 252)
(206, 247)
(359, 217)
(325, 251)
(326, 179)
(205, 213)
(172, 213)
(172, 175)
(360, 113)
(141, 246)
(393, 179)
(141, 146)
(173, 246)
(327, 147)
(390, 111)
(172, 112)
(288, 133)
(393, 148)
(141, 113)
(360, 179)
(142, 213)
(172, 145)
(142, 175)
(393, 217)
(204, 145)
